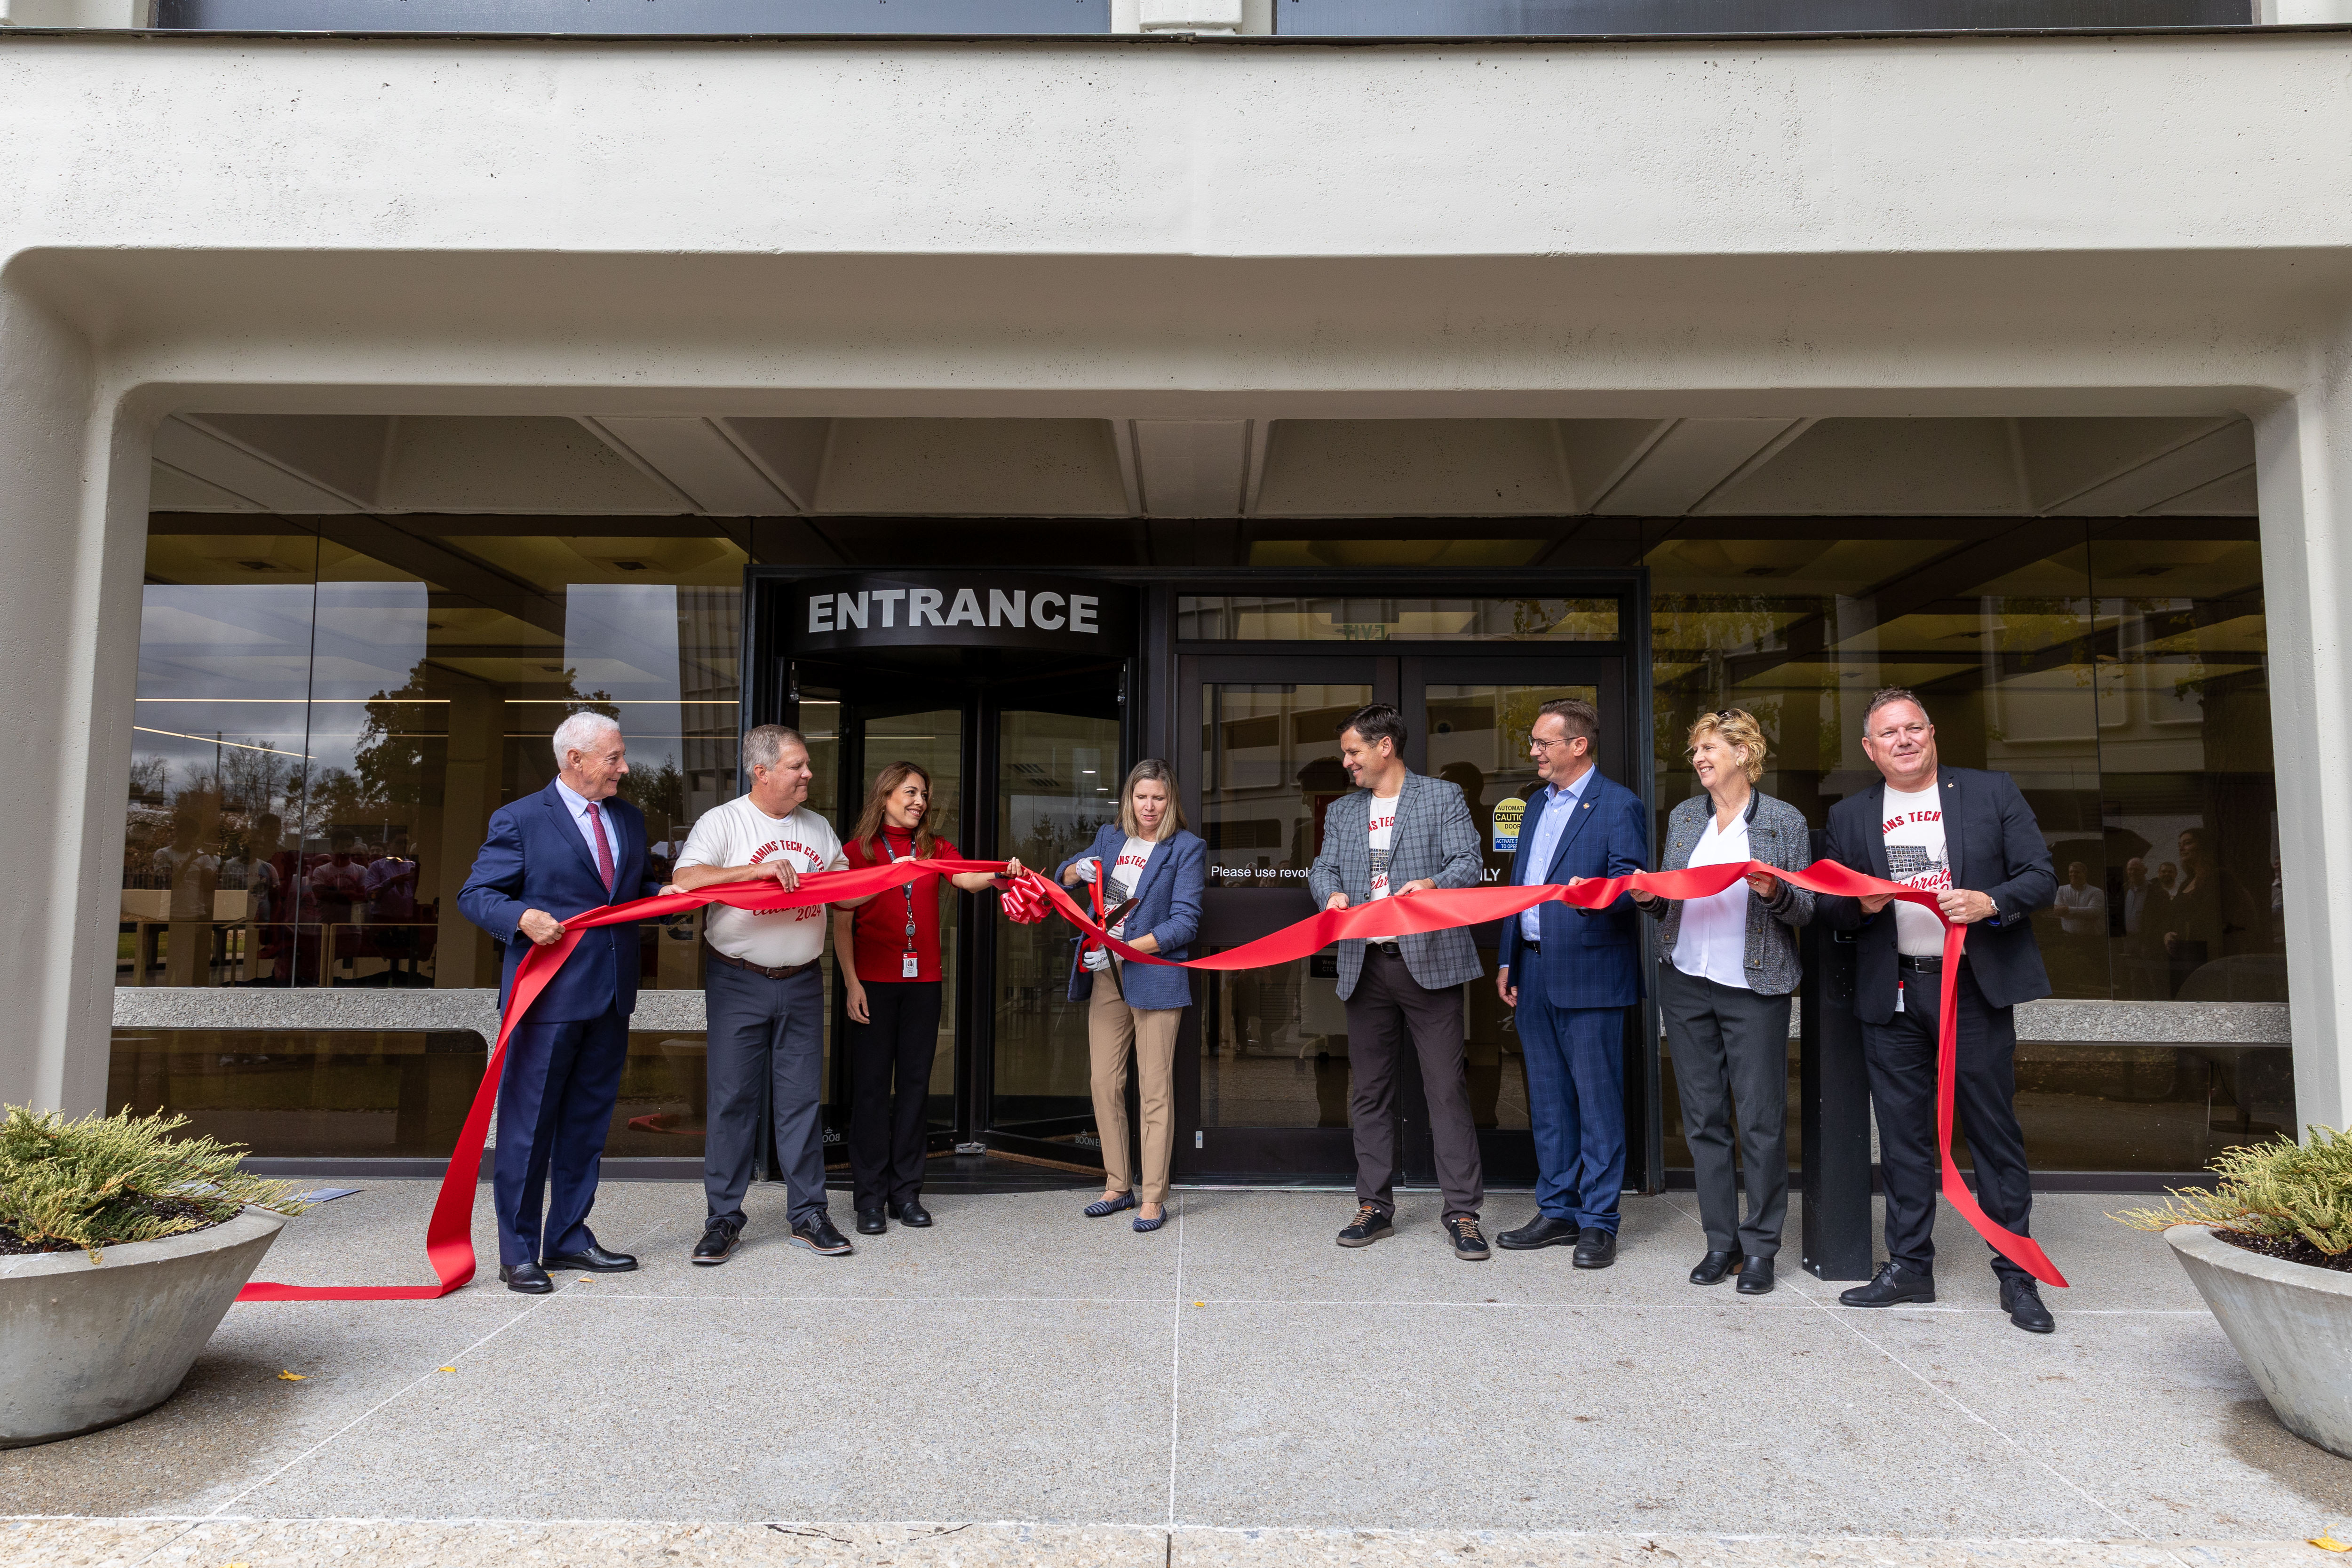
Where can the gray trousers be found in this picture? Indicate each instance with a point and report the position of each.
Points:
(1388, 1013)
(767, 1043)
(1730, 1050)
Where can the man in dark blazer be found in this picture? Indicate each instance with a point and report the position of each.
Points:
(1397, 833)
(1969, 837)
(1569, 975)
(570, 848)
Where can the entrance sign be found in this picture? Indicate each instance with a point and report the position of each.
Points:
(960, 609)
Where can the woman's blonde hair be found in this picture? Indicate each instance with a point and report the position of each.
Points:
(1152, 770)
(1738, 728)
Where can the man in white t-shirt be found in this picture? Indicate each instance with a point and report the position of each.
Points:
(1967, 836)
(764, 994)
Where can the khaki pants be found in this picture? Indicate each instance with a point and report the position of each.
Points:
(1111, 1027)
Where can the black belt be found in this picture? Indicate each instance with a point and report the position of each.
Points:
(732, 962)
(1919, 965)
(1388, 947)
(1531, 946)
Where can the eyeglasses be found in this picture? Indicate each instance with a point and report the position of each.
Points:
(1536, 740)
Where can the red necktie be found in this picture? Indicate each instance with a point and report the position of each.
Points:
(603, 847)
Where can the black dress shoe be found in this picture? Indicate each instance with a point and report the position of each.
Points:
(1541, 1231)
(911, 1212)
(1595, 1247)
(872, 1222)
(2021, 1299)
(1892, 1286)
(1368, 1225)
(528, 1278)
(592, 1259)
(1714, 1268)
(1754, 1276)
(719, 1237)
(818, 1235)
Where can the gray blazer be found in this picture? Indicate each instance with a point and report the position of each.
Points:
(1777, 834)
(1433, 837)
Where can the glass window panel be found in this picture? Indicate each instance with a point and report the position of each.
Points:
(2116, 670)
(1057, 784)
(934, 742)
(1241, 617)
(1275, 1041)
(293, 1093)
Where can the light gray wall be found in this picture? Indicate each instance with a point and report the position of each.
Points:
(1933, 226)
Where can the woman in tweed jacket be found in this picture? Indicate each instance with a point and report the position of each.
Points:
(1729, 964)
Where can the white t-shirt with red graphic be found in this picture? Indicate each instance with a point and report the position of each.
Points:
(1125, 875)
(1384, 830)
(1914, 829)
(740, 834)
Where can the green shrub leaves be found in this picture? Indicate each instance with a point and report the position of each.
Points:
(2279, 1190)
(108, 1179)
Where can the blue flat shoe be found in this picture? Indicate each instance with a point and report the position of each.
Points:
(1102, 1206)
(1143, 1223)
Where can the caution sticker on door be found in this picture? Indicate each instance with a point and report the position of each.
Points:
(1508, 811)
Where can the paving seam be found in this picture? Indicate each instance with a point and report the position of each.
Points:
(1841, 1320)
(1175, 1380)
(419, 1380)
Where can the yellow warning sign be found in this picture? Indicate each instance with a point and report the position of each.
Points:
(1507, 814)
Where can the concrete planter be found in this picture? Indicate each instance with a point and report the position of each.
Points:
(2291, 1325)
(85, 1345)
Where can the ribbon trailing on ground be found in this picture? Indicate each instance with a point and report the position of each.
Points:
(448, 1238)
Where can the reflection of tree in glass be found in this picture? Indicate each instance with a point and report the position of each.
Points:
(151, 780)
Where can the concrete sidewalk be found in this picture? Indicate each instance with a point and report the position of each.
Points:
(1234, 1389)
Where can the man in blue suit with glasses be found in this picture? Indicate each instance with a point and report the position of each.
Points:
(1570, 975)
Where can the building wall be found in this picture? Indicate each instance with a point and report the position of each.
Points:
(2150, 226)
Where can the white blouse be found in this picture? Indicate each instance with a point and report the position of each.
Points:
(1713, 941)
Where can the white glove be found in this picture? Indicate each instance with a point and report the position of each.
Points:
(1097, 959)
(1088, 870)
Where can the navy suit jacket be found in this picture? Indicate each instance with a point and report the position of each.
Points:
(1995, 848)
(1168, 905)
(1591, 959)
(534, 858)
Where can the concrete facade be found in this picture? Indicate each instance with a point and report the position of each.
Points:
(1189, 230)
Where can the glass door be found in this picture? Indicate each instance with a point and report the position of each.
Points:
(1055, 758)
(1271, 1093)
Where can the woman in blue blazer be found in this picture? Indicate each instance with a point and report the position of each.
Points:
(1149, 857)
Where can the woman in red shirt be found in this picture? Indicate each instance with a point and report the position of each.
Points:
(892, 941)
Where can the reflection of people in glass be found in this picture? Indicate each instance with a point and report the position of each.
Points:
(2081, 908)
(191, 871)
(887, 947)
(2146, 912)
(2211, 914)
(338, 881)
(390, 884)
(1730, 964)
(1149, 857)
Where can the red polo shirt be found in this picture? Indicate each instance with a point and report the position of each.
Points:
(880, 935)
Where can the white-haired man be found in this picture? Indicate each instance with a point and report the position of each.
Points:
(764, 994)
(570, 848)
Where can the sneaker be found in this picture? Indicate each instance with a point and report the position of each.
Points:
(720, 1239)
(818, 1235)
(1468, 1244)
(1368, 1225)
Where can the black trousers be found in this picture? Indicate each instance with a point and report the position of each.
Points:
(887, 1121)
(1390, 1014)
(1730, 1050)
(1900, 1055)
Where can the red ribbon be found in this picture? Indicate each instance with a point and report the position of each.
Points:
(448, 1236)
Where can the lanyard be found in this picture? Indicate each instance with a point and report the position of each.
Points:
(907, 889)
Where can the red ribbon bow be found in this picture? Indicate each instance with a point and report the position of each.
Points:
(448, 1235)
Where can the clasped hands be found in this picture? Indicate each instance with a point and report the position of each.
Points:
(1962, 906)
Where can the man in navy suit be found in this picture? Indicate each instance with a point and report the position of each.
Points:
(567, 849)
(1570, 975)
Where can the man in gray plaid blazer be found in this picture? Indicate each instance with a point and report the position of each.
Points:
(1397, 833)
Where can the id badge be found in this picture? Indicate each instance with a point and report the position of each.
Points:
(907, 967)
